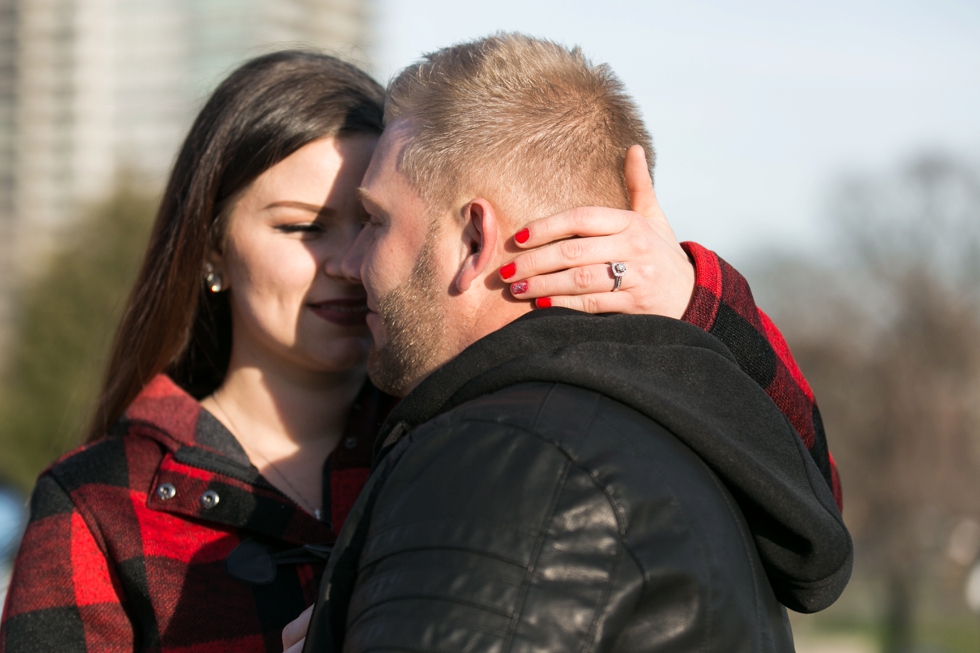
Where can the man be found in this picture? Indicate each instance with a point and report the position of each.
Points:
(552, 480)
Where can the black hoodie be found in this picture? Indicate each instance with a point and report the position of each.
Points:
(580, 383)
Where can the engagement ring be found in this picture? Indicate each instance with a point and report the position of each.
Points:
(619, 271)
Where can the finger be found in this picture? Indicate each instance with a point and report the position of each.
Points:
(296, 629)
(583, 280)
(297, 647)
(603, 302)
(583, 221)
(639, 184)
(566, 254)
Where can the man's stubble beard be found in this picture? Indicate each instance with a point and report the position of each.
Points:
(414, 322)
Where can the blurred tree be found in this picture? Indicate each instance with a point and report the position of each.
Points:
(66, 319)
(889, 336)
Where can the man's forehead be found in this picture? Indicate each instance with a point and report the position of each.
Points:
(392, 141)
(385, 158)
(398, 133)
(384, 181)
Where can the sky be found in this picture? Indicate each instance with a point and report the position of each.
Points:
(756, 108)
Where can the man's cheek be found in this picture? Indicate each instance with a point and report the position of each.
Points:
(376, 325)
(380, 274)
(369, 276)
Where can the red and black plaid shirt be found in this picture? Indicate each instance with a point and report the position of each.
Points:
(722, 305)
(112, 563)
(109, 564)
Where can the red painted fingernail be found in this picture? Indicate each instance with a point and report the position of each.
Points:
(519, 288)
(508, 270)
(523, 235)
(543, 302)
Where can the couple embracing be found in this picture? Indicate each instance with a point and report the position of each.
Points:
(550, 480)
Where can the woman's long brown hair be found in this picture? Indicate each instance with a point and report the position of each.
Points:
(264, 111)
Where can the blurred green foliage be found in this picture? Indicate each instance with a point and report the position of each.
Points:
(66, 319)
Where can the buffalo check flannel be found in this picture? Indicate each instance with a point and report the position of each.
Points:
(112, 563)
(722, 305)
(123, 554)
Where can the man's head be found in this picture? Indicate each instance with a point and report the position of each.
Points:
(481, 138)
(527, 121)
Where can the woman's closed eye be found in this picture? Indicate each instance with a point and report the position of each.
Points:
(311, 228)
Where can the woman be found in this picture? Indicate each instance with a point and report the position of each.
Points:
(235, 426)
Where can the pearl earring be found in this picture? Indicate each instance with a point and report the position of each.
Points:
(213, 278)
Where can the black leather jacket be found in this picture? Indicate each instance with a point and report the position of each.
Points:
(570, 484)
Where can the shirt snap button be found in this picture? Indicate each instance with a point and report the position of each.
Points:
(166, 492)
(209, 499)
(350, 443)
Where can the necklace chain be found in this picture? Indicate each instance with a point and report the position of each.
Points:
(238, 432)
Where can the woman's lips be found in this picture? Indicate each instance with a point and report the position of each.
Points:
(344, 312)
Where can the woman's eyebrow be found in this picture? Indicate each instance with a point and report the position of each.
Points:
(303, 206)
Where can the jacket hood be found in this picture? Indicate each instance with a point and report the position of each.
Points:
(689, 382)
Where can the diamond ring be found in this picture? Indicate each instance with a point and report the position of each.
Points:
(619, 271)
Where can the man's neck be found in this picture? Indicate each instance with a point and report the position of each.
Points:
(494, 313)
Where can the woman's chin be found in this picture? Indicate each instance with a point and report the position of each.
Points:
(342, 353)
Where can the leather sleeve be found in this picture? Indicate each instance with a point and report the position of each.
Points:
(64, 593)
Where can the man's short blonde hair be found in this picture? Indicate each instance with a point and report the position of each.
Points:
(530, 124)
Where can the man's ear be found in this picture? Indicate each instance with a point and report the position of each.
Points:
(480, 241)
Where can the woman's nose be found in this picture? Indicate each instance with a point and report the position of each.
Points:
(333, 266)
(349, 265)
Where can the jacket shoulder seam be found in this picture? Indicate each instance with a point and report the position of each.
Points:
(703, 554)
(91, 523)
(570, 463)
(620, 528)
(532, 567)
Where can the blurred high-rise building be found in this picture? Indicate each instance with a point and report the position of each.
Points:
(90, 89)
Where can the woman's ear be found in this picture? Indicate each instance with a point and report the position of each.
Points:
(214, 272)
(480, 240)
